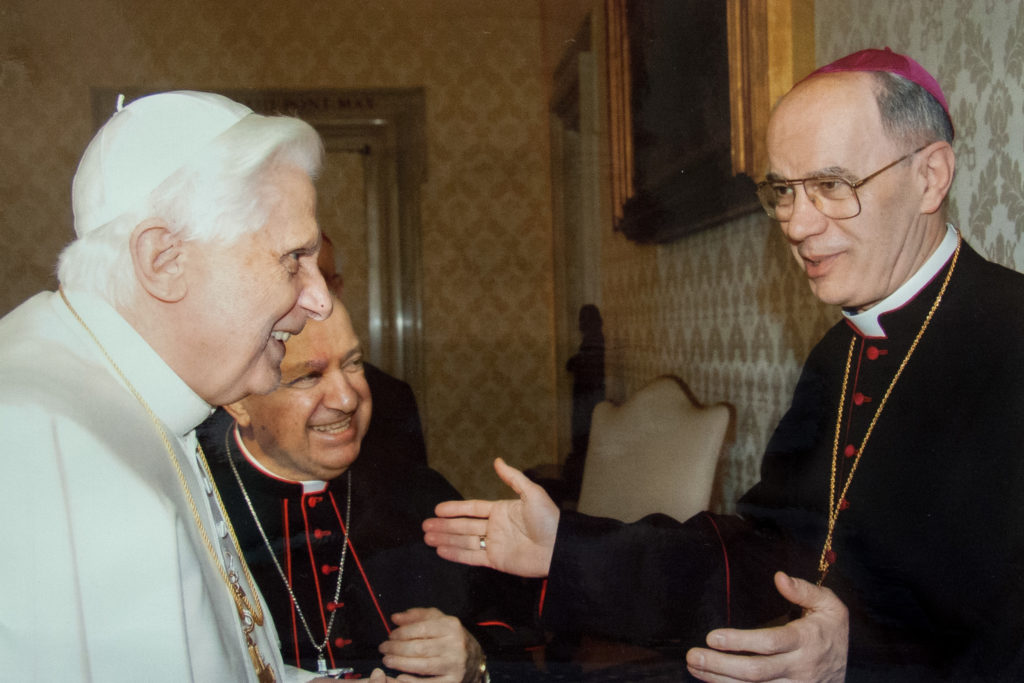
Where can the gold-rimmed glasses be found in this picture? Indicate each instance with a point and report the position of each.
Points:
(833, 195)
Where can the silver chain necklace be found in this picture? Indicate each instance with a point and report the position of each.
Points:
(321, 661)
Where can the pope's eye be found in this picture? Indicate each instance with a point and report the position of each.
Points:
(291, 261)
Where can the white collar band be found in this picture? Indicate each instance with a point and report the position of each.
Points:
(867, 323)
(310, 486)
(170, 398)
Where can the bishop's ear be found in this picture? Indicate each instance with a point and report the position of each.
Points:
(937, 175)
(159, 261)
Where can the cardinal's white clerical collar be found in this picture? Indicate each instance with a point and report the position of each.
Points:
(308, 486)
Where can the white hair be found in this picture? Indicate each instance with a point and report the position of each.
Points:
(220, 195)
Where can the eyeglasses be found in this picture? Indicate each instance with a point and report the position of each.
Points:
(834, 196)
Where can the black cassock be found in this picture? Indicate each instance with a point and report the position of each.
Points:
(388, 567)
(929, 548)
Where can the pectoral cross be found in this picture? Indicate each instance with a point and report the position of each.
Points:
(264, 674)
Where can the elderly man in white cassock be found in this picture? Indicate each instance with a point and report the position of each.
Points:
(195, 259)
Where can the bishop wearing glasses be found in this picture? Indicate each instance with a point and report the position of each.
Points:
(884, 540)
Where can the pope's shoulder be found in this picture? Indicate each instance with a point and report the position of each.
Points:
(44, 360)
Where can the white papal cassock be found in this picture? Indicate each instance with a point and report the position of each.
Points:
(103, 573)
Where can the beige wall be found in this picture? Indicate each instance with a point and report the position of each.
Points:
(724, 309)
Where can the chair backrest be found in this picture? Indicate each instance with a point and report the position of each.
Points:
(657, 452)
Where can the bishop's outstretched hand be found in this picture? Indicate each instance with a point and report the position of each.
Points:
(516, 536)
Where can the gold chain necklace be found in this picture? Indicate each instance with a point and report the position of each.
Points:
(321, 661)
(836, 506)
(250, 615)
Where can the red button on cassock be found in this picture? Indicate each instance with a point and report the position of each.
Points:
(327, 569)
(850, 450)
(860, 399)
(341, 642)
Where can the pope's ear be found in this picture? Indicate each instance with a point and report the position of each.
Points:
(237, 410)
(159, 260)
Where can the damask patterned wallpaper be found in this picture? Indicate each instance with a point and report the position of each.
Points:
(727, 309)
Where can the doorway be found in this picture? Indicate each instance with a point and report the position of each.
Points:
(578, 154)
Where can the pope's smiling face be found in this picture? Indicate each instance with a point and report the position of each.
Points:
(247, 297)
(311, 427)
(831, 125)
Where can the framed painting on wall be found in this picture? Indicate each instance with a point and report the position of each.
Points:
(685, 82)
